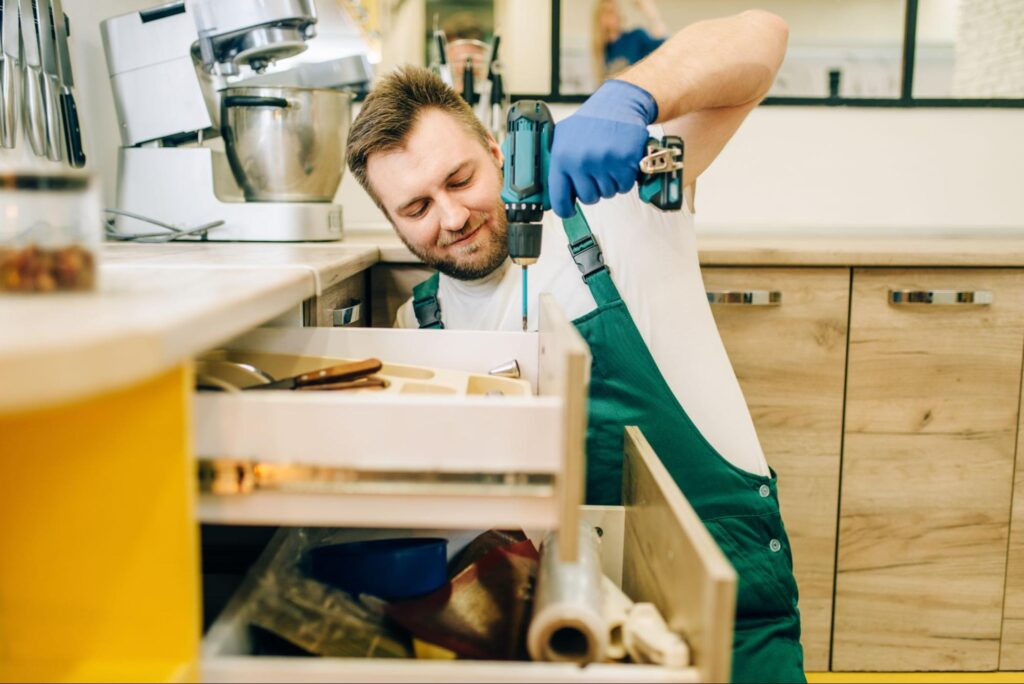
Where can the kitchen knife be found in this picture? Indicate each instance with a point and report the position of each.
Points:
(366, 382)
(34, 108)
(10, 69)
(50, 82)
(72, 130)
(333, 374)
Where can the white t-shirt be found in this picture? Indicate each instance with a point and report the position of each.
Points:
(652, 256)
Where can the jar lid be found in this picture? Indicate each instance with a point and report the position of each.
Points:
(43, 181)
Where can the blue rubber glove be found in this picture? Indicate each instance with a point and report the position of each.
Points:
(597, 151)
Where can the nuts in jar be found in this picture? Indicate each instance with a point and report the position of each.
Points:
(32, 268)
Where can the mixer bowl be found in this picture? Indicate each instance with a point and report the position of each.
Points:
(285, 144)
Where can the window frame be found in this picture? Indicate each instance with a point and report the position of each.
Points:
(905, 100)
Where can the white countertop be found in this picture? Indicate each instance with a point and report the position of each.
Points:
(156, 306)
(159, 305)
(792, 249)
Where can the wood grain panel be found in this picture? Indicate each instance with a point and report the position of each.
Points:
(318, 310)
(390, 287)
(669, 558)
(790, 361)
(1011, 652)
(931, 417)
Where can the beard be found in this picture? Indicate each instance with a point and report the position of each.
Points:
(478, 260)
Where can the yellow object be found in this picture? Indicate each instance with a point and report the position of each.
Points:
(915, 677)
(427, 651)
(99, 562)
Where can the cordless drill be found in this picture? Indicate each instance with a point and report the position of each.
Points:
(527, 149)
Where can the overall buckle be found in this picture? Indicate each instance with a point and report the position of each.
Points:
(588, 257)
(428, 312)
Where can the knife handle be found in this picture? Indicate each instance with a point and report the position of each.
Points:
(53, 119)
(35, 111)
(339, 373)
(72, 131)
(9, 94)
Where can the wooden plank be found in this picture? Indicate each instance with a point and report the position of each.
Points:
(564, 371)
(1011, 651)
(790, 360)
(390, 287)
(671, 560)
(733, 248)
(318, 309)
(931, 418)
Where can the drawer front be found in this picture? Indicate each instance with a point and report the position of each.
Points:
(785, 331)
(931, 416)
(465, 459)
(340, 305)
(666, 556)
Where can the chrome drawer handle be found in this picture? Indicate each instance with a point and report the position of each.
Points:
(746, 298)
(348, 315)
(904, 297)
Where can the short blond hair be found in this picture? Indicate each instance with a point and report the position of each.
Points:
(392, 109)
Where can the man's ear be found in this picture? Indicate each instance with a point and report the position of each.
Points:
(495, 149)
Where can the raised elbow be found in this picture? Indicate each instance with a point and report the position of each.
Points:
(769, 22)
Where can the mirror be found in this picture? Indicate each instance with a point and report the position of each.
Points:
(406, 28)
(836, 49)
(969, 49)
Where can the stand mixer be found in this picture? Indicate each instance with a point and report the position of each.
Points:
(188, 71)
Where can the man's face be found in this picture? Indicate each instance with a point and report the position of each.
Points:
(442, 192)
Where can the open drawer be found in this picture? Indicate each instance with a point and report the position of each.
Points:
(403, 460)
(654, 545)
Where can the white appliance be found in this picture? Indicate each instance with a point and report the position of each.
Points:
(168, 66)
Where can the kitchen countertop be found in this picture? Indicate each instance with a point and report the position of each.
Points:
(156, 307)
(766, 249)
(159, 305)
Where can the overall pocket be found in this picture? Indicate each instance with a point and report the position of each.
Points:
(758, 548)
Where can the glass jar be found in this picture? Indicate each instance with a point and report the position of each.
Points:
(50, 231)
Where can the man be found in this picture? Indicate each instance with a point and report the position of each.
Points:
(658, 361)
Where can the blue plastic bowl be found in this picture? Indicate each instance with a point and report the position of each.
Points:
(391, 569)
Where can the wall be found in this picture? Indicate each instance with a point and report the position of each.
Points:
(806, 169)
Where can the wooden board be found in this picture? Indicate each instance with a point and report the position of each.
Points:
(390, 287)
(564, 372)
(318, 309)
(1011, 652)
(790, 360)
(671, 560)
(931, 419)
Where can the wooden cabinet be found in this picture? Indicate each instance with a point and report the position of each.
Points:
(1011, 653)
(654, 543)
(341, 304)
(790, 360)
(391, 286)
(932, 405)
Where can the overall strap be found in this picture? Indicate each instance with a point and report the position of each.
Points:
(425, 303)
(589, 259)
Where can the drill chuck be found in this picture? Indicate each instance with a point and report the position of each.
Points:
(524, 243)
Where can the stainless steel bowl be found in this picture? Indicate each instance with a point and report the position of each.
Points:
(286, 144)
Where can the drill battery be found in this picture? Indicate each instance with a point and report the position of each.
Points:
(661, 173)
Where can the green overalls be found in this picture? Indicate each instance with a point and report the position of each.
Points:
(740, 509)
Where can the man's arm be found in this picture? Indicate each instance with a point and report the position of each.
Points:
(655, 24)
(708, 77)
(701, 84)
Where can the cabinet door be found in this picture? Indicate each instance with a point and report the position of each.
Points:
(931, 416)
(341, 304)
(391, 286)
(1011, 652)
(790, 360)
